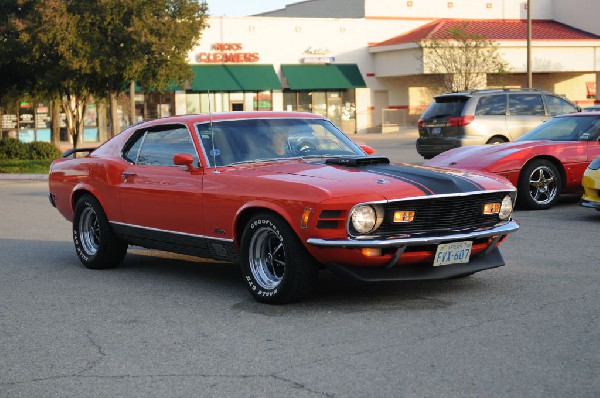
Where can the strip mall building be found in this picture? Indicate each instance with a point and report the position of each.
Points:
(358, 63)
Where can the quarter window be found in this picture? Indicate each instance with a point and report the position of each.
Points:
(558, 106)
(157, 147)
(525, 104)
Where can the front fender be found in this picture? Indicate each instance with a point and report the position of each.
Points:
(290, 213)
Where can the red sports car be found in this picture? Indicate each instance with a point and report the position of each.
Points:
(542, 164)
(282, 194)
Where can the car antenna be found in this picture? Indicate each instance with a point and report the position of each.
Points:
(212, 135)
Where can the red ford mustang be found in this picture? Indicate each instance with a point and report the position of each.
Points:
(283, 194)
(542, 164)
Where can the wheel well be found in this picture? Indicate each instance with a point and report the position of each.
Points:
(555, 162)
(501, 137)
(245, 215)
(78, 194)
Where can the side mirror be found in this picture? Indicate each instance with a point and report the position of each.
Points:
(185, 159)
(367, 149)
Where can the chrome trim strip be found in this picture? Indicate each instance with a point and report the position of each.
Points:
(503, 229)
(171, 232)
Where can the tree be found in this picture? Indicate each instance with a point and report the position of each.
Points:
(143, 41)
(83, 49)
(462, 58)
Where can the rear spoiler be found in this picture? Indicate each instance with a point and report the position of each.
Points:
(74, 151)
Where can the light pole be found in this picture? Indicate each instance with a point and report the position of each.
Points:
(529, 74)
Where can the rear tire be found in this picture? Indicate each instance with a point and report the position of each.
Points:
(539, 185)
(95, 243)
(275, 265)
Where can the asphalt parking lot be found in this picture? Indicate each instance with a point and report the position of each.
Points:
(166, 325)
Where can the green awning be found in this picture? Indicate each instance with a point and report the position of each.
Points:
(139, 89)
(234, 78)
(329, 76)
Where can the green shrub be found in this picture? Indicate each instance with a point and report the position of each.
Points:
(11, 148)
(43, 150)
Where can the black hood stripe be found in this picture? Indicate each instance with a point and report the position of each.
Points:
(430, 181)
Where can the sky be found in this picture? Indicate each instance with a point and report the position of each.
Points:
(240, 8)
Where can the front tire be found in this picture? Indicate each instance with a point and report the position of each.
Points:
(275, 265)
(95, 243)
(539, 185)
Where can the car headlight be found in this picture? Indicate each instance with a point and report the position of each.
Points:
(595, 165)
(366, 218)
(506, 208)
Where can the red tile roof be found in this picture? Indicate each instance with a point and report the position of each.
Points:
(492, 29)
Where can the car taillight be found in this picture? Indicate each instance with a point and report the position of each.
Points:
(421, 123)
(459, 121)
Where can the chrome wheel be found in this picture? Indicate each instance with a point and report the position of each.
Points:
(267, 258)
(89, 231)
(543, 186)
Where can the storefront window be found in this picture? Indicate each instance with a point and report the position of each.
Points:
(337, 106)
(304, 102)
(226, 101)
(262, 101)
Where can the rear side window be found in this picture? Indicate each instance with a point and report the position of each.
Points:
(525, 104)
(157, 147)
(558, 106)
(491, 105)
(446, 106)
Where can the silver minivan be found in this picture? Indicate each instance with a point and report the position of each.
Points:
(485, 117)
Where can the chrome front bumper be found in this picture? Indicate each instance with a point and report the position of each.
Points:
(502, 229)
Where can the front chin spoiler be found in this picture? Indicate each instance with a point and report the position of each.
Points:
(419, 272)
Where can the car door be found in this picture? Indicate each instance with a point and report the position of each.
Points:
(156, 195)
(525, 111)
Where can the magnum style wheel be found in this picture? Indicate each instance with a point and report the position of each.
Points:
(95, 243)
(539, 185)
(276, 267)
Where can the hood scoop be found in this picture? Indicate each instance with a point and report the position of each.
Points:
(357, 161)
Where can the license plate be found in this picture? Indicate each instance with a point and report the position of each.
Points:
(452, 253)
(436, 131)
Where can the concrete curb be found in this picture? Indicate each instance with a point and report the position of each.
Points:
(35, 177)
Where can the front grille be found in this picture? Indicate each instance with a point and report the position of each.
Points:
(440, 214)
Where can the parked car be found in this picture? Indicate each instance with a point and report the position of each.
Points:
(542, 164)
(591, 108)
(591, 185)
(485, 117)
(202, 185)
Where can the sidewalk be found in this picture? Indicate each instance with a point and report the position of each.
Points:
(33, 177)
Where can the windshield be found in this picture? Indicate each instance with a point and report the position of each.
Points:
(255, 140)
(574, 128)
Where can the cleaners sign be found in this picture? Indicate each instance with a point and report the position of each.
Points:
(226, 52)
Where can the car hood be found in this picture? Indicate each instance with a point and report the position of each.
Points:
(391, 181)
(479, 157)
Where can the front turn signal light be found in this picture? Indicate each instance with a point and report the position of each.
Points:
(491, 208)
(404, 216)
